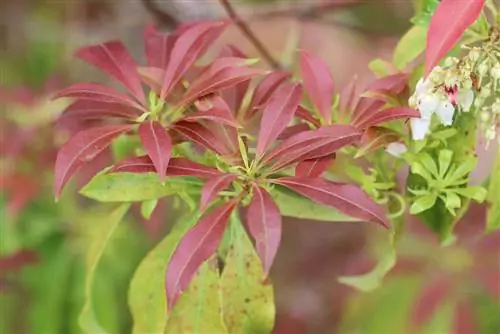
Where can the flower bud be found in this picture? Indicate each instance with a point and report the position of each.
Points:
(451, 78)
(437, 75)
(451, 62)
(474, 55)
(482, 69)
(495, 72)
(485, 91)
(485, 116)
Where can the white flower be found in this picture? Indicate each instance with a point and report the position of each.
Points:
(420, 127)
(465, 97)
(396, 149)
(427, 105)
(423, 87)
(445, 112)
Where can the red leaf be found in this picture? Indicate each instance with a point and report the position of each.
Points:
(186, 167)
(201, 136)
(391, 84)
(293, 130)
(277, 114)
(432, 294)
(190, 45)
(114, 59)
(348, 97)
(100, 93)
(264, 90)
(152, 76)
(463, 319)
(375, 138)
(157, 142)
(85, 109)
(387, 115)
(215, 115)
(199, 243)
(212, 188)
(347, 198)
(81, 149)
(447, 25)
(305, 114)
(365, 108)
(142, 164)
(264, 224)
(17, 260)
(234, 95)
(314, 168)
(318, 82)
(157, 47)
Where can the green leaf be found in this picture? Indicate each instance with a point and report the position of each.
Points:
(463, 169)
(248, 301)
(429, 164)
(410, 46)
(493, 218)
(293, 205)
(452, 201)
(147, 208)
(103, 231)
(124, 146)
(199, 309)
(425, 9)
(423, 203)
(418, 168)
(146, 296)
(381, 68)
(476, 193)
(444, 161)
(132, 187)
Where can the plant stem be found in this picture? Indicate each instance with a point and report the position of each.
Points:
(245, 30)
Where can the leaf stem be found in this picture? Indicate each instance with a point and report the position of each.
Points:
(245, 30)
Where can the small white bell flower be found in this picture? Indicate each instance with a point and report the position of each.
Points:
(445, 112)
(396, 149)
(420, 127)
(465, 98)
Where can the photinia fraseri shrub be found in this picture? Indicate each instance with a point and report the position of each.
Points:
(226, 138)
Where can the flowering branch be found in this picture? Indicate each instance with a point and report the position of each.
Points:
(245, 29)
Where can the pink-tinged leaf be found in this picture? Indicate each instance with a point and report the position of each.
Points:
(186, 167)
(81, 149)
(199, 243)
(157, 142)
(152, 76)
(376, 137)
(157, 47)
(215, 115)
(212, 188)
(431, 296)
(463, 319)
(347, 198)
(318, 82)
(264, 90)
(96, 92)
(141, 164)
(387, 115)
(188, 47)
(306, 115)
(264, 225)
(201, 136)
(277, 115)
(85, 109)
(365, 108)
(114, 59)
(391, 84)
(447, 25)
(315, 167)
(348, 97)
(293, 130)
(17, 260)
(234, 95)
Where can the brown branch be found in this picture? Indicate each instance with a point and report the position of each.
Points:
(245, 30)
(162, 18)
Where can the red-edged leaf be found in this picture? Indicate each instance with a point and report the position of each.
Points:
(186, 167)
(318, 82)
(85, 109)
(376, 137)
(157, 142)
(387, 115)
(264, 90)
(199, 243)
(190, 45)
(347, 198)
(96, 92)
(391, 84)
(365, 108)
(212, 188)
(114, 59)
(157, 47)
(201, 136)
(264, 225)
(315, 167)
(142, 164)
(277, 114)
(81, 149)
(447, 25)
(431, 296)
(152, 76)
(305, 114)
(293, 130)
(463, 319)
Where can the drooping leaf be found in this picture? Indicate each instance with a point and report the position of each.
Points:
(190, 45)
(82, 149)
(199, 308)
(318, 82)
(248, 305)
(410, 46)
(157, 142)
(85, 109)
(277, 114)
(447, 25)
(314, 167)
(493, 218)
(196, 246)
(264, 224)
(212, 188)
(107, 226)
(387, 115)
(133, 187)
(200, 135)
(346, 198)
(264, 90)
(365, 108)
(375, 138)
(147, 286)
(113, 58)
